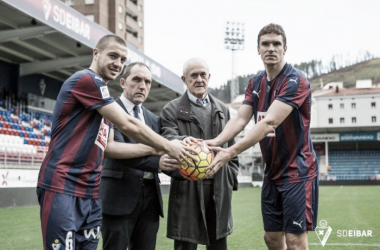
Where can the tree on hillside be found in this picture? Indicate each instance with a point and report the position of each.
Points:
(315, 68)
(224, 91)
(312, 69)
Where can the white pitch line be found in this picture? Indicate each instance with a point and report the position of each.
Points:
(346, 244)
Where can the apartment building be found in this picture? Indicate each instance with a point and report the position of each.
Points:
(125, 18)
(345, 119)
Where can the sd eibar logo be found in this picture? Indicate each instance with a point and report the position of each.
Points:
(323, 232)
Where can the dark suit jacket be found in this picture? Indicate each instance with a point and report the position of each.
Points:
(122, 179)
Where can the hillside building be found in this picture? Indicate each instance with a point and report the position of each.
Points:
(345, 120)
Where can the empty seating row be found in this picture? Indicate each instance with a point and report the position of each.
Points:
(15, 122)
(5, 113)
(43, 119)
(21, 154)
(11, 139)
(24, 137)
(36, 142)
(16, 126)
(354, 152)
(7, 131)
(8, 119)
(354, 165)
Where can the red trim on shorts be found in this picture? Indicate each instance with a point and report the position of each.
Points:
(308, 205)
(45, 213)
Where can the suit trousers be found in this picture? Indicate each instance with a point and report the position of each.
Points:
(220, 244)
(135, 231)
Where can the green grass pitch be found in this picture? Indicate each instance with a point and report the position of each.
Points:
(343, 207)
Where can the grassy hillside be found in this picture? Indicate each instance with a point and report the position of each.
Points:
(365, 70)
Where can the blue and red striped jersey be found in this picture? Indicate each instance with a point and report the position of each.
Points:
(73, 162)
(288, 151)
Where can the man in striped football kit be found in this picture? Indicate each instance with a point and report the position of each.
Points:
(69, 178)
(280, 100)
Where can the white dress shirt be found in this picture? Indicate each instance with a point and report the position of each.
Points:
(129, 106)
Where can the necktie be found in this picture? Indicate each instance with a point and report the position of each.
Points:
(202, 103)
(136, 112)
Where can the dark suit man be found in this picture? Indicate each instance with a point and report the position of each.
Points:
(131, 194)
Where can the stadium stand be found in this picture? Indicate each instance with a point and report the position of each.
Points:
(354, 165)
(24, 136)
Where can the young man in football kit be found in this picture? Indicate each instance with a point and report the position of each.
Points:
(280, 100)
(69, 178)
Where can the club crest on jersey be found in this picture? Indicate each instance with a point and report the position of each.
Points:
(260, 116)
(105, 92)
(56, 245)
(102, 138)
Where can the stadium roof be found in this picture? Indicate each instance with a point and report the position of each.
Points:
(347, 129)
(50, 38)
(347, 92)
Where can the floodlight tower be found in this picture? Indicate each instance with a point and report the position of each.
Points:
(234, 40)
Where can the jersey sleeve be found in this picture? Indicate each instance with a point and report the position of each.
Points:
(91, 92)
(248, 93)
(294, 90)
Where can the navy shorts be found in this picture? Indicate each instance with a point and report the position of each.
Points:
(291, 208)
(69, 222)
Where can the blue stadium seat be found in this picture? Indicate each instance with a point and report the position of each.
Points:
(354, 165)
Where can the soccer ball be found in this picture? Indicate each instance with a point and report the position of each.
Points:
(205, 156)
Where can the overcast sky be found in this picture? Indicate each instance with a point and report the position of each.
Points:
(176, 30)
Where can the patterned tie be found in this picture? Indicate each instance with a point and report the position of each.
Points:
(202, 103)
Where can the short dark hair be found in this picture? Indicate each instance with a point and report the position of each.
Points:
(272, 28)
(102, 43)
(127, 70)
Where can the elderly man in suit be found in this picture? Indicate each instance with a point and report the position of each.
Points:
(131, 194)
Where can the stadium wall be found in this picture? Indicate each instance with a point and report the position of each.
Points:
(9, 76)
(40, 85)
(36, 84)
(349, 183)
(18, 186)
(11, 197)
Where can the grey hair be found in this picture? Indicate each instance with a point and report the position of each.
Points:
(186, 64)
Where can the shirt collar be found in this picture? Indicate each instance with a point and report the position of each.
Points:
(129, 105)
(194, 99)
